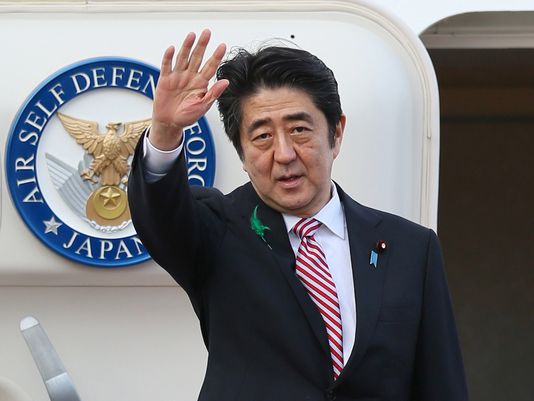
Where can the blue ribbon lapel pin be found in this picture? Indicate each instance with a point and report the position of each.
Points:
(374, 259)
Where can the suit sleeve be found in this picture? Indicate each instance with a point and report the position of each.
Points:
(179, 226)
(439, 372)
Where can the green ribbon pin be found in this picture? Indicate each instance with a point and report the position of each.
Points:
(257, 226)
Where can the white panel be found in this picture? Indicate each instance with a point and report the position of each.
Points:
(384, 82)
(121, 344)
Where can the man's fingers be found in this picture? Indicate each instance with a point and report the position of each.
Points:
(216, 90)
(199, 50)
(208, 71)
(166, 62)
(182, 59)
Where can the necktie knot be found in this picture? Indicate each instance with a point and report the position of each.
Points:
(306, 227)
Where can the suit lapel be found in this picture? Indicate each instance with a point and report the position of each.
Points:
(277, 239)
(363, 228)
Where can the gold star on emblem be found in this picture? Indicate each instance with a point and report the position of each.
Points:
(107, 203)
(110, 197)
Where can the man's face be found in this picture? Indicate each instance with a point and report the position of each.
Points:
(286, 151)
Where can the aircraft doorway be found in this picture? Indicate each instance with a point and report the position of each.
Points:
(486, 198)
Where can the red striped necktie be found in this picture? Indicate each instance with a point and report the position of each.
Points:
(313, 272)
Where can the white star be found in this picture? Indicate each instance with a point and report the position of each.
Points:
(51, 225)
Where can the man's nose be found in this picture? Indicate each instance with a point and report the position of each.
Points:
(284, 152)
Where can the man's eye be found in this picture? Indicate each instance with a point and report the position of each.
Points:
(262, 137)
(300, 130)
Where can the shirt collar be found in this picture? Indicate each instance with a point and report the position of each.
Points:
(331, 215)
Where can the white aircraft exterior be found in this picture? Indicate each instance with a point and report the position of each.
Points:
(129, 333)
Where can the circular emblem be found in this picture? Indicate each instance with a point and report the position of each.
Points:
(68, 158)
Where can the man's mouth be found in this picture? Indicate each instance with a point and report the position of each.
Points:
(289, 181)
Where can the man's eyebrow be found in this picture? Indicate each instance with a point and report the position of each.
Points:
(300, 116)
(258, 123)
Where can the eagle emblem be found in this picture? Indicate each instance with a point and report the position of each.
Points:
(107, 205)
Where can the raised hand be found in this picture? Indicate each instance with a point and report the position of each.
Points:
(182, 95)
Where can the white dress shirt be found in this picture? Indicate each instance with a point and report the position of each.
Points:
(332, 236)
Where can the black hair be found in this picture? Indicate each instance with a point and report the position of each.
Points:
(271, 68)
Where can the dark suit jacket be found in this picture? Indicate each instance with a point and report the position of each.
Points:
(265, 337)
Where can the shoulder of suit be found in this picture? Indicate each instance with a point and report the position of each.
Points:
(201, 193)
(386, 219)
(207, 192)
(224, 203)
(394, 219)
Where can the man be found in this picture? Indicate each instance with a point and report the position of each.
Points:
(301, 292)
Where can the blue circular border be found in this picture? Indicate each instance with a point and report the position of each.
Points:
(34, 218)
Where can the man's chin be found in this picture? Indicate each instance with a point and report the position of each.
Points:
(296, 207)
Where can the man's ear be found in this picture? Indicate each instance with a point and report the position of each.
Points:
(338, 134)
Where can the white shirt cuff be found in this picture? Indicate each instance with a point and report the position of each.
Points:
(158, 162)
